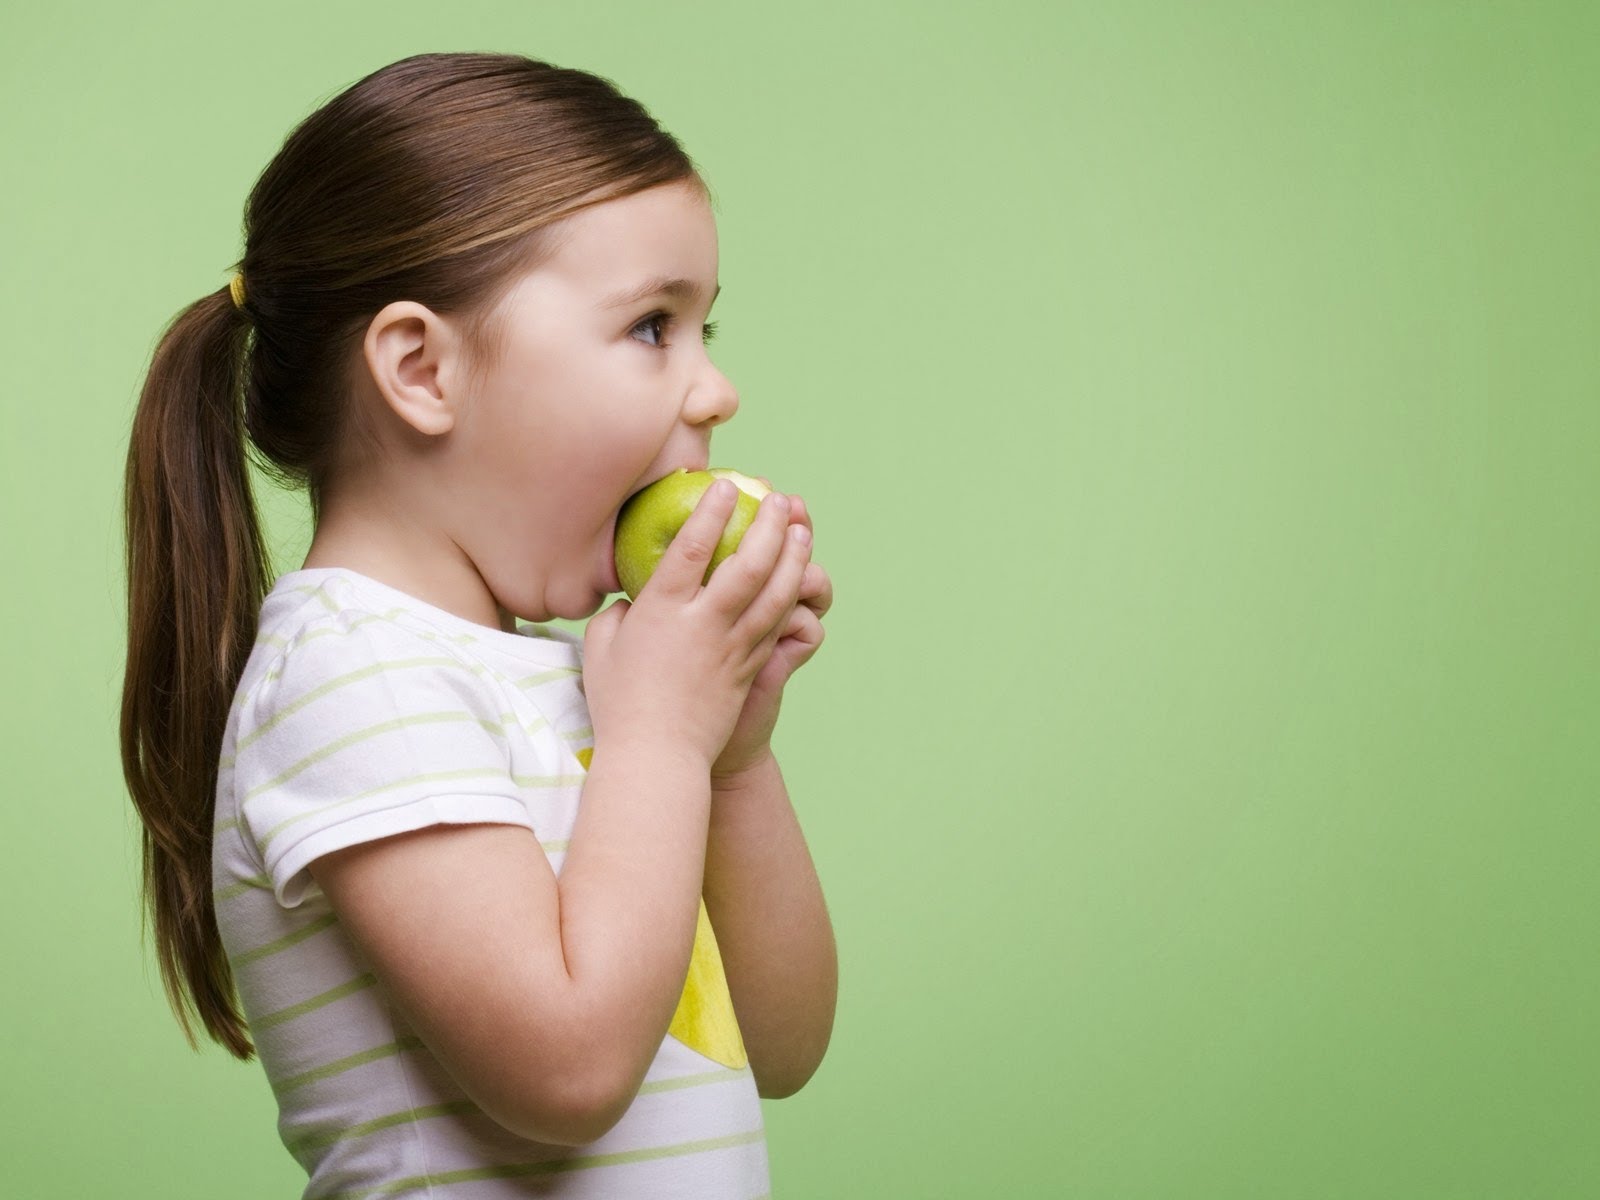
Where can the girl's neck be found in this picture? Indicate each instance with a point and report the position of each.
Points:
(457, 591)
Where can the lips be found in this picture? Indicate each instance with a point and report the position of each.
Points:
(670, 471)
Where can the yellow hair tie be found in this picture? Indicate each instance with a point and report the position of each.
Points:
(236, 286)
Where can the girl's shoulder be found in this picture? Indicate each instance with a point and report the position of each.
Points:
(327, 620)
(325, 624)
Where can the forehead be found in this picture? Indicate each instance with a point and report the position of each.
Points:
(619, 250)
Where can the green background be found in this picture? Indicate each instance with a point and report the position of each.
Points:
(1198, 409)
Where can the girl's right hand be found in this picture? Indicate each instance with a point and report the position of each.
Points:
(674, 667)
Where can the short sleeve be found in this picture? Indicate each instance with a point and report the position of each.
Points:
(363, 729)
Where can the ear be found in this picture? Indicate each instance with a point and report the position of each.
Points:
(414, 356)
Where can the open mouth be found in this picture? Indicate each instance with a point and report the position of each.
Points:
(664, 475)
(674, 471)
(659, 478)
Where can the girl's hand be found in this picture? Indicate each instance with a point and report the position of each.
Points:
(674, 667)
(751, 740)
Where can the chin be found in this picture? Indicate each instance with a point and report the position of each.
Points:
(575, 607)
(571, 597)
(572, 612)
(517, 607)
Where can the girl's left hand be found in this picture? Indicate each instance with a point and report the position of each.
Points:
(751, 740)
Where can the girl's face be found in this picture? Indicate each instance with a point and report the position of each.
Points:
(606, 385)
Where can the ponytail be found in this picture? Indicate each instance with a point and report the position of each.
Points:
(197, 571)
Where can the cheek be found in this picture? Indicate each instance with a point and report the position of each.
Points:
(509, 450)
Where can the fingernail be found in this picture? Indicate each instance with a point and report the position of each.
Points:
(802, 534)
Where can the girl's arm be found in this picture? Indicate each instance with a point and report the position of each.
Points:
(546, 1000)
(766, 908)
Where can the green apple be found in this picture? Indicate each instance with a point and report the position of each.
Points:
(653, 515)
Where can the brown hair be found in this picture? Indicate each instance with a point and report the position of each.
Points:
(437, 178)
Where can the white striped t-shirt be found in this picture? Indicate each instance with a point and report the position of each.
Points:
(363, 712)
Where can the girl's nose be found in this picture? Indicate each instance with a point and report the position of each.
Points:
(713, 400)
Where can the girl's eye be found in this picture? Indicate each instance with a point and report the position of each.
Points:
(665, 319)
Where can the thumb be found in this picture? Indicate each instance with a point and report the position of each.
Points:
(602, 627)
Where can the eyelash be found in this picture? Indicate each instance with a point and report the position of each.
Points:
(666, 318)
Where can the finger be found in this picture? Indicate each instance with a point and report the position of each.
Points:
(769, 643)
(807, 634)
(798, 512)
(802, 626)
(740, 576)
(772, 607)
(683, 567)
(602, 627)
(816, 589)
(802, 636)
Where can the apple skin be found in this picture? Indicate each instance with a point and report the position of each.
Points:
(652, 516)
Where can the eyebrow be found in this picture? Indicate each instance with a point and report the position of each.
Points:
(659, 286)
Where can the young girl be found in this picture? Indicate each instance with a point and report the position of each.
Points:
(507, 912)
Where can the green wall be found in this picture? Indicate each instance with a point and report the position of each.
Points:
(1198, 409)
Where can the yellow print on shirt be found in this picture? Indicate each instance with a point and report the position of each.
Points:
(704, 1020)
